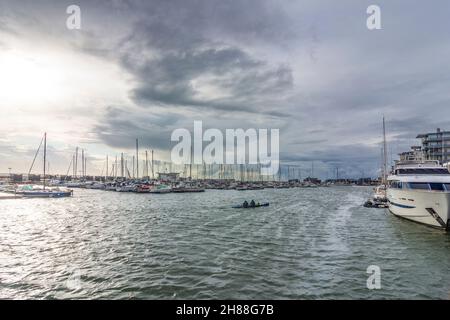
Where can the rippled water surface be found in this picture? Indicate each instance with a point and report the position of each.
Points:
(310, 243)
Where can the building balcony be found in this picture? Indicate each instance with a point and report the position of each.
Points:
(437, 139)
(438, 154)
(436, 149)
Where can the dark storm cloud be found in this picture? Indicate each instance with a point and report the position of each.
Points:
(178, 64)
(339, 154)
(244, 21)
(119, 128)
(168, 62)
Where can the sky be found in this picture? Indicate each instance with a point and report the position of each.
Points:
(140, 69)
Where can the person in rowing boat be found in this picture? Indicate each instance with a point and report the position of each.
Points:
(252, 204)
(245, 204)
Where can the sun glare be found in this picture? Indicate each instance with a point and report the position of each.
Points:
(28, 79)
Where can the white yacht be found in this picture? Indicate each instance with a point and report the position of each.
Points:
(420, 191)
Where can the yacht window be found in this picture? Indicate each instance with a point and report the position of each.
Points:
(447, 186)
(437, 186)
(423, 171)
(419, 186)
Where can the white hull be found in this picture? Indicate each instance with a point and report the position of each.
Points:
(427, 207)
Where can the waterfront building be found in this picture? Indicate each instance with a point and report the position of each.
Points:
(168, 176)
(436, 145)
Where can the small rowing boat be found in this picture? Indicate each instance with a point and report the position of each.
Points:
(265, 204)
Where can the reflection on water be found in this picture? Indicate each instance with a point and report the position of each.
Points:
(310, 243)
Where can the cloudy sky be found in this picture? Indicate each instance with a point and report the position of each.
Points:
(140, 69)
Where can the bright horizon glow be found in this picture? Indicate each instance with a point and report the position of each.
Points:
(25, 79)
(56, 90)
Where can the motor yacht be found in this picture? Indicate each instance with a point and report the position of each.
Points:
(420, 192)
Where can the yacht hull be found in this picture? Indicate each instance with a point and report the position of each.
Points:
(426, 207)
(37, 194)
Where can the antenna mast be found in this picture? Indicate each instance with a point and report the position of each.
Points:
(384, 154)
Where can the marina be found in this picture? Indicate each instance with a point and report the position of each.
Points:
(221, 177)
(179, 237)
(310, 232)
(248, 151)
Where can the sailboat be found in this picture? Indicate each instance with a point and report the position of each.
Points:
(379, 198)
(43, 191)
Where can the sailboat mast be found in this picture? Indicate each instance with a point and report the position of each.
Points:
(82, 164)
(133, 167)
(45, 155)
(146, 164)
(115, 168)
(190, 165)
(76, 162)
(122, 174)
(384, 154)
(153, 172)
(137, 159)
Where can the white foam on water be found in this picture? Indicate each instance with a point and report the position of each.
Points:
(340, 218)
